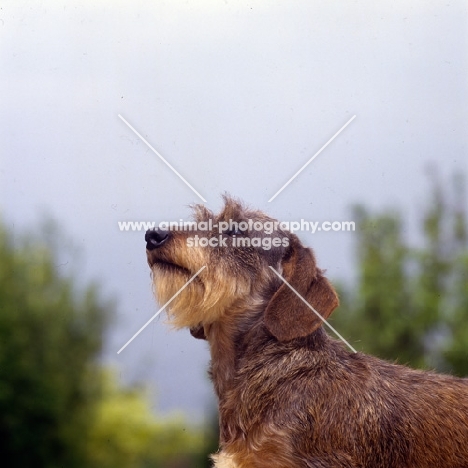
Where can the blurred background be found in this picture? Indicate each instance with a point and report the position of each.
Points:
(237, 96)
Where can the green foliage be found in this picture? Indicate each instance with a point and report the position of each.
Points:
(411, 303)
(58, 407)
(125, 433)
(49, 336)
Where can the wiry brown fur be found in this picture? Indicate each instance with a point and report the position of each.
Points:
(289, 395)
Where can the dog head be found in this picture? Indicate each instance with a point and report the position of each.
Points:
(229, 263)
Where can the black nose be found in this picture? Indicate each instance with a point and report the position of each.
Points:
(155, 238)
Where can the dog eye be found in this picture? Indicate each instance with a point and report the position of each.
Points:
(234, 232)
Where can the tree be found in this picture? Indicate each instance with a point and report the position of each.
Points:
(50, 336)
(411, 303)
(58, 407)
(125, 433)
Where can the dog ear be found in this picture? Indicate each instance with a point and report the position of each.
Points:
(198, 332)
(287, 316)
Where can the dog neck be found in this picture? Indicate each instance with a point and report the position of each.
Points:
(231, 338)
(220, 336)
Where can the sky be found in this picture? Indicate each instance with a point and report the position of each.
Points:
(237, 96)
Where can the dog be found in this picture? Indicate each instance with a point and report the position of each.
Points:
(289, 395)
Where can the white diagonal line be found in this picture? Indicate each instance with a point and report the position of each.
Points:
(314, 311)
(159, 156)
(312, 158)
(161, 309)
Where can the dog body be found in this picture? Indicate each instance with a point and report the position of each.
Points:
(312, 403)
(289, 395)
